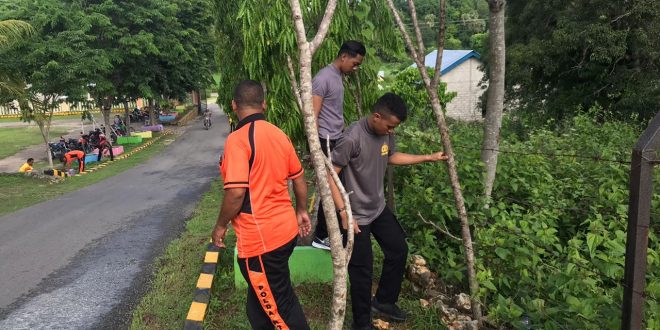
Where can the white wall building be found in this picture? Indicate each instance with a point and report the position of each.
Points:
(460, 71)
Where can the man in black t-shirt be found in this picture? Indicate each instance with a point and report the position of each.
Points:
(362, 155)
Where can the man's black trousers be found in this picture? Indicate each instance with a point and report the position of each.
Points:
(391, 238)
(112, 157)
(321, 230)
(271, 302)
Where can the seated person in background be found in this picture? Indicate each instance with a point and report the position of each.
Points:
(72, 155)
(119, 123)
(27, 167)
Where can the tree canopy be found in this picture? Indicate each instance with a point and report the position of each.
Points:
(465, 21)
(563, 55)
(116, 48)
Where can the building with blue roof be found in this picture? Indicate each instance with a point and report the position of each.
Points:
(461, 72)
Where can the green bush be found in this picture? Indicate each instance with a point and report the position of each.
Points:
(552, 243)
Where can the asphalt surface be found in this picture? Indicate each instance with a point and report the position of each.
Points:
(84, 259)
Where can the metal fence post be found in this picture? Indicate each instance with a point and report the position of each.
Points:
(644, 156)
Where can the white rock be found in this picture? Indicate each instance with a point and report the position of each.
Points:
(418, 260)
(463, 302)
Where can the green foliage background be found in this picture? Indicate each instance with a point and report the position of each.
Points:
(552, 243)
(565, 53)
(257, 38)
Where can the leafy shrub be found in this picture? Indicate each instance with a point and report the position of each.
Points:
(551, 245)
(410, 86)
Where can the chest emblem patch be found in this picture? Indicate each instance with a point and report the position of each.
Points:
(384, 149)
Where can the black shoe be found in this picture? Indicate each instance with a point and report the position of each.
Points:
(390, 311)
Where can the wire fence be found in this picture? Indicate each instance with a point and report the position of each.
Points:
(595, 158)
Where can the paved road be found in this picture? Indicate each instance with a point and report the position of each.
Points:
(83, 260)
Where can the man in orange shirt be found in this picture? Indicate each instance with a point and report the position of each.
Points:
(72, 155)
(259, 159)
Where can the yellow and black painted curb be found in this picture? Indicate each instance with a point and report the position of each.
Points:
(200, 303)
(55, 172)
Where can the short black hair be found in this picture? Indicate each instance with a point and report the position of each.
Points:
(353, 48)
(248, 93)
(391, 104)
(30, 160)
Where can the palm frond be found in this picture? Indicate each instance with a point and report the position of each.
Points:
(14, 30)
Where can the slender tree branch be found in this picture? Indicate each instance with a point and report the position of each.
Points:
(299, 26)
(438, 228)
(441, 37)
(418, 33)
(347, 204)
(358, 93)
(327, 147)
(340, 256)
(324, 26)
(404, 33)
(451, 162)
(294, 83)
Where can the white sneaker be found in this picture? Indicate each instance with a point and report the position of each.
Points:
(321, 243)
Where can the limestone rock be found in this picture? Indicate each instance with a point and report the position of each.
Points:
(463, 302)
(381, 325)
(463, 325)
(418, 260)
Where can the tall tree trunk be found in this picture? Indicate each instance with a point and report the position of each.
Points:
(44, 136)
(152, 112)
(127, 118)
(340, 256)
(46, 111)
(495, 103)
(417, 54)
(106, 110)
(49, 121)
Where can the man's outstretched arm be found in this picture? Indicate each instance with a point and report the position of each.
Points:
(400, 158)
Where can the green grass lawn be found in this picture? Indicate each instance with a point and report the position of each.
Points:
(18, 191)
(17, 139)
(166, 305)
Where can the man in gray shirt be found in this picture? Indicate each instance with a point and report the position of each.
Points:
(328, 104)
(362, 155)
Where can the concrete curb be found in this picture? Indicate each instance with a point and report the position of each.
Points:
(199, 305)
(56, 173)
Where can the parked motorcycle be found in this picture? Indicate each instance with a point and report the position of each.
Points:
(207, 120)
